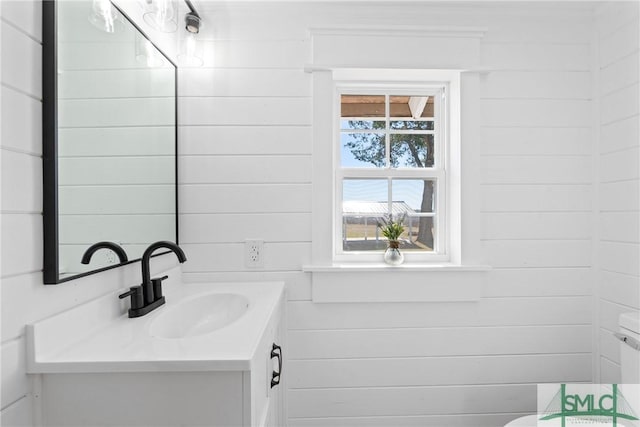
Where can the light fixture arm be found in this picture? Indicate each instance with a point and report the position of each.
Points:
(192, 8)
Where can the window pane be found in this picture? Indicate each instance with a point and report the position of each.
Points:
(417, 106)
(412, 151)
(361, 106)
(364, 202)
(412, 125)
(362, 124)
(415, 197)
(362, 150)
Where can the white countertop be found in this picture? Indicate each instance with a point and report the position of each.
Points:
(100, 337)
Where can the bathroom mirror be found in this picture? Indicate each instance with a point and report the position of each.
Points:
(109, 138)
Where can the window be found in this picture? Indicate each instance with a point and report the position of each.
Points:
(391, 156)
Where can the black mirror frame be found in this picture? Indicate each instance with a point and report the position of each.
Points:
(51, 270)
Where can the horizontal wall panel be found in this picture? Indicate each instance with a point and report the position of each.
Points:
(25, 14)
(528, 26)
(17, 293)
(620, 135)
(120, 141)
(531, 113)
(536, 170)
(610, 312)
(120, 112)
(411, 400)
(620, 104)
(137, 229)
(21, 243)
(538, 253)
(305, 374)
(620, 74)
(126, 83)
(21, 61)
(257, 53)
(610, 372)
(536, 56)
(230, 111)
(462, 341)
(241, 140)
(297, 283)
(225, 228)
(620, 226)
(229, 257)
(378, 50)
(245, 169)
(556, 225)
(620, 165)
(536, 198)
(245, 198)
(15, 383)
(20, 414)
(536, 85)
(620, 43)
(536, 141)
(487, 312)
(454, 420)
(620, 196)
(619, 288)
(123, 200)
(98, 55)
(21, 121)
(609, 345)
(615, 16)
(620, 257)
(216, 82)
(539, 282)
(21, 182)
(116, 171)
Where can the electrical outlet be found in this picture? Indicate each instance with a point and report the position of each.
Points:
(254, 253)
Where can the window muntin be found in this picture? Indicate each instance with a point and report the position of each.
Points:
(390, 160)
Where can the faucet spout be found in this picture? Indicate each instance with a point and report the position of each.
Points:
(146, 271)
(122, 255)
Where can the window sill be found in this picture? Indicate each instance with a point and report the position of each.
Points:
(405, 283)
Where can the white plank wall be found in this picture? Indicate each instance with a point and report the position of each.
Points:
(245, 173)
(24, 298)
(617, 155)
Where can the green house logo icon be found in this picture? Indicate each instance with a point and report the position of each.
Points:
(608, 406)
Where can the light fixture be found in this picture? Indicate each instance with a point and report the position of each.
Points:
(191, 54)
(104, 16)
(146, 53)
(161, 15)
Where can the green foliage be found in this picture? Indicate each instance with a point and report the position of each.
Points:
(407, 150)
(391, 229)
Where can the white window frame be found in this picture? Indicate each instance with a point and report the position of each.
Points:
(440, 92)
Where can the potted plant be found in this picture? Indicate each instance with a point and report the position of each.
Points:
(392, 230)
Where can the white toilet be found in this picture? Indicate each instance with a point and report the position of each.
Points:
(629, 336)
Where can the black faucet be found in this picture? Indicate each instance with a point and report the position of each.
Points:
(105, 245)
(148, 296)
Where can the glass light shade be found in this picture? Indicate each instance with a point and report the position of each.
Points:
(191, 52)
(162, 15)
(147, 54)
(104, 16)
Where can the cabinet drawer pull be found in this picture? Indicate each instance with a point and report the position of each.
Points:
(276, 351)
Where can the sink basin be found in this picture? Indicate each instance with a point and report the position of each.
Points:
(198, 316)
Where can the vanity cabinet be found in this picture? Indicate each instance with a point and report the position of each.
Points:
(76, 388)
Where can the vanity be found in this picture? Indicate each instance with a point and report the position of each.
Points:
(212, 356)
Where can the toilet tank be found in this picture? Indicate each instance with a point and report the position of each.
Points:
(629, 336)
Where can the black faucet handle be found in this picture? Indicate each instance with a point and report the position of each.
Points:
(137, 300)
(157, 286)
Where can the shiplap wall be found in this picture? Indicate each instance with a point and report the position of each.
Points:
(245, 173)
(24, 298)
(617, 91)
